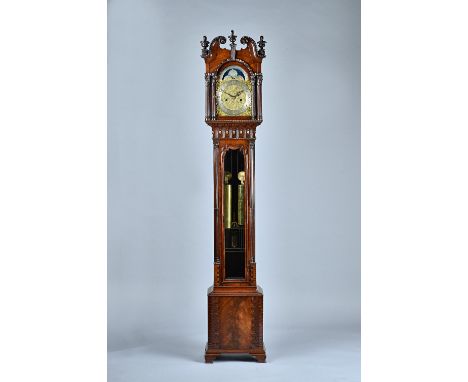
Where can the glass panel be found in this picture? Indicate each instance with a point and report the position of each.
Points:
(234, 214)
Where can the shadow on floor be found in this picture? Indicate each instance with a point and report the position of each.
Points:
(187, 348)
(310, 340)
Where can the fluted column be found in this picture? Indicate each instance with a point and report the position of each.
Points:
(259, 96)
(207, 95)
(216, 210)
(213, 96)
(253, 82)
(216, 196)
(252, 198)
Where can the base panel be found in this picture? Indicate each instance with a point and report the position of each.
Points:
(235, 323)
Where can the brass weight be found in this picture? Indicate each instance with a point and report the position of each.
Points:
(240, 198)
(227, 199)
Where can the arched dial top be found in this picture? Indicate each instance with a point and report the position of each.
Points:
(233, 80)
(234, 92)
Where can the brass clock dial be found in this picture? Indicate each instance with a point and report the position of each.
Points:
(234, 92)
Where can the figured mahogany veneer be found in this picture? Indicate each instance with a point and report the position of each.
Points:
(235, 306)
(235, 324)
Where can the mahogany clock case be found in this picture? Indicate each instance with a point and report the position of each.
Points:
(235, 301)
(160, 189)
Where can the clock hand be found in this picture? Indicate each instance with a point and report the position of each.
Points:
(229, 94)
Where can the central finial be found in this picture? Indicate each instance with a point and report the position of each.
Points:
(233, 38)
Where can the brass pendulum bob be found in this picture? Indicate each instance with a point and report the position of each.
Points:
(227, 199)
(240, 198)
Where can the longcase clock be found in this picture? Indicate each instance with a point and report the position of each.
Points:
(233, 110)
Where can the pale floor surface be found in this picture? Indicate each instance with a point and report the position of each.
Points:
(296, 355)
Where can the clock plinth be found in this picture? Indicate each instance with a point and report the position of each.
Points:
(233, 95)
(235, 323)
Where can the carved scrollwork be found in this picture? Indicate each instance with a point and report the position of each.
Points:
(246, 40)
(217, 40)
(206, 51)
(258, 48)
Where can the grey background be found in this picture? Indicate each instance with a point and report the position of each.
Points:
(160, 219)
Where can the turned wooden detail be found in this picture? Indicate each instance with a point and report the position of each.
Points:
(233, 131)
(235, 304)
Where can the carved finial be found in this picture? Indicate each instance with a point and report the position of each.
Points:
(233, 38)
(261, 44)
(204, 43)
